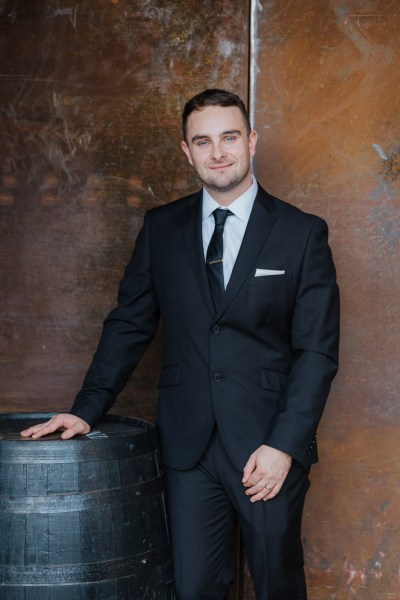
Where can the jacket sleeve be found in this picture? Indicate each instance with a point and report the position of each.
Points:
(127, 332)
(315, 345)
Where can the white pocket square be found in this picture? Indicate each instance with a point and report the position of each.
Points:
(265, 272)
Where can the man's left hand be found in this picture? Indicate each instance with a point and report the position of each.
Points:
(265, 472)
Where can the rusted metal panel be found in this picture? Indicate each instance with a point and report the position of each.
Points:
(327, 109)
(91, 95)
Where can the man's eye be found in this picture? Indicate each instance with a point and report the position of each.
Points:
(230, 138)
(202, 142)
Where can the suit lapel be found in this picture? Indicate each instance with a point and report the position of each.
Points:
(192, 232)
(261, 220)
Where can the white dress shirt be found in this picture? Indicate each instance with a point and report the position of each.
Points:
(235, 225)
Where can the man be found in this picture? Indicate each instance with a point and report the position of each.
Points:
(250, 309)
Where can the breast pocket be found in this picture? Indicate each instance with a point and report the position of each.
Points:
(268, 280)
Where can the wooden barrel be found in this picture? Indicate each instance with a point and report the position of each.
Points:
(84, 518)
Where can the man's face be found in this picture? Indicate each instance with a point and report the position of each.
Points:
(220, 150)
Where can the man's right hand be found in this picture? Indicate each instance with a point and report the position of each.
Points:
(71, 424)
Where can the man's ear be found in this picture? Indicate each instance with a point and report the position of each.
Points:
(252, 142)
(186, 150)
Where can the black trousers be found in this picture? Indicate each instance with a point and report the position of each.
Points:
(204, 505)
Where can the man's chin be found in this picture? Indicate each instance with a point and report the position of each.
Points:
(223, 186)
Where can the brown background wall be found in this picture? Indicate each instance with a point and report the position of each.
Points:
(90, 97)
(327, 105)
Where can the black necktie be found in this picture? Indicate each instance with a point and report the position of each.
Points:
(214, 258)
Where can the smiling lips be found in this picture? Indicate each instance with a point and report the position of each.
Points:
(218, 166)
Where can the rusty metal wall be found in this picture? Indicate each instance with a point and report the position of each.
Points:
(91, 95)
(326, 92)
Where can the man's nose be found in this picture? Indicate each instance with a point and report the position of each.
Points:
(217, 151)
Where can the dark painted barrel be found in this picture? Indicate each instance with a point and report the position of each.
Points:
(84, 518)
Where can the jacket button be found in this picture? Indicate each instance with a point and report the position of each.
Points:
(217, 377)
(216, 328)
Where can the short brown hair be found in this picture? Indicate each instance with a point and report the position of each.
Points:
(213, 97)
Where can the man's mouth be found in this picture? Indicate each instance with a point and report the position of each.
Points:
(220, 166)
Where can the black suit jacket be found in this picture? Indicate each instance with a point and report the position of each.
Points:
(261, 367)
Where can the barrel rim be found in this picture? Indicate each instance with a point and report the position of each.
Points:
(83, 447)
(111, 418)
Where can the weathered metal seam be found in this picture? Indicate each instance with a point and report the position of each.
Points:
(255, 8)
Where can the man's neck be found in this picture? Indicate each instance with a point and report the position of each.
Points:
(226, 198)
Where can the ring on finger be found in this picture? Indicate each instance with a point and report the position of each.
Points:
(268, 488)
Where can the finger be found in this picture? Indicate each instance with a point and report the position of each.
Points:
(248, 469)
(258, 478)
(55, 423)
(267, 493)
(264, 494)
(51, 428)
(48, 425)
(75, 430)
(34, 428)
(274, 492)
(29, 431)
(261, 486)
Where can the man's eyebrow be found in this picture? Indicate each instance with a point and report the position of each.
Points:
(196, 138)
(231, 132)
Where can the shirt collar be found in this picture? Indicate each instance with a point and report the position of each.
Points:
(241, 207)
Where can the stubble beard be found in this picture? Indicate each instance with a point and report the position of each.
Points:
(234, 180)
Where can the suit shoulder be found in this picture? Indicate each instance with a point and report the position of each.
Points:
(286, 208)
(294, 214)
(173, 207)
